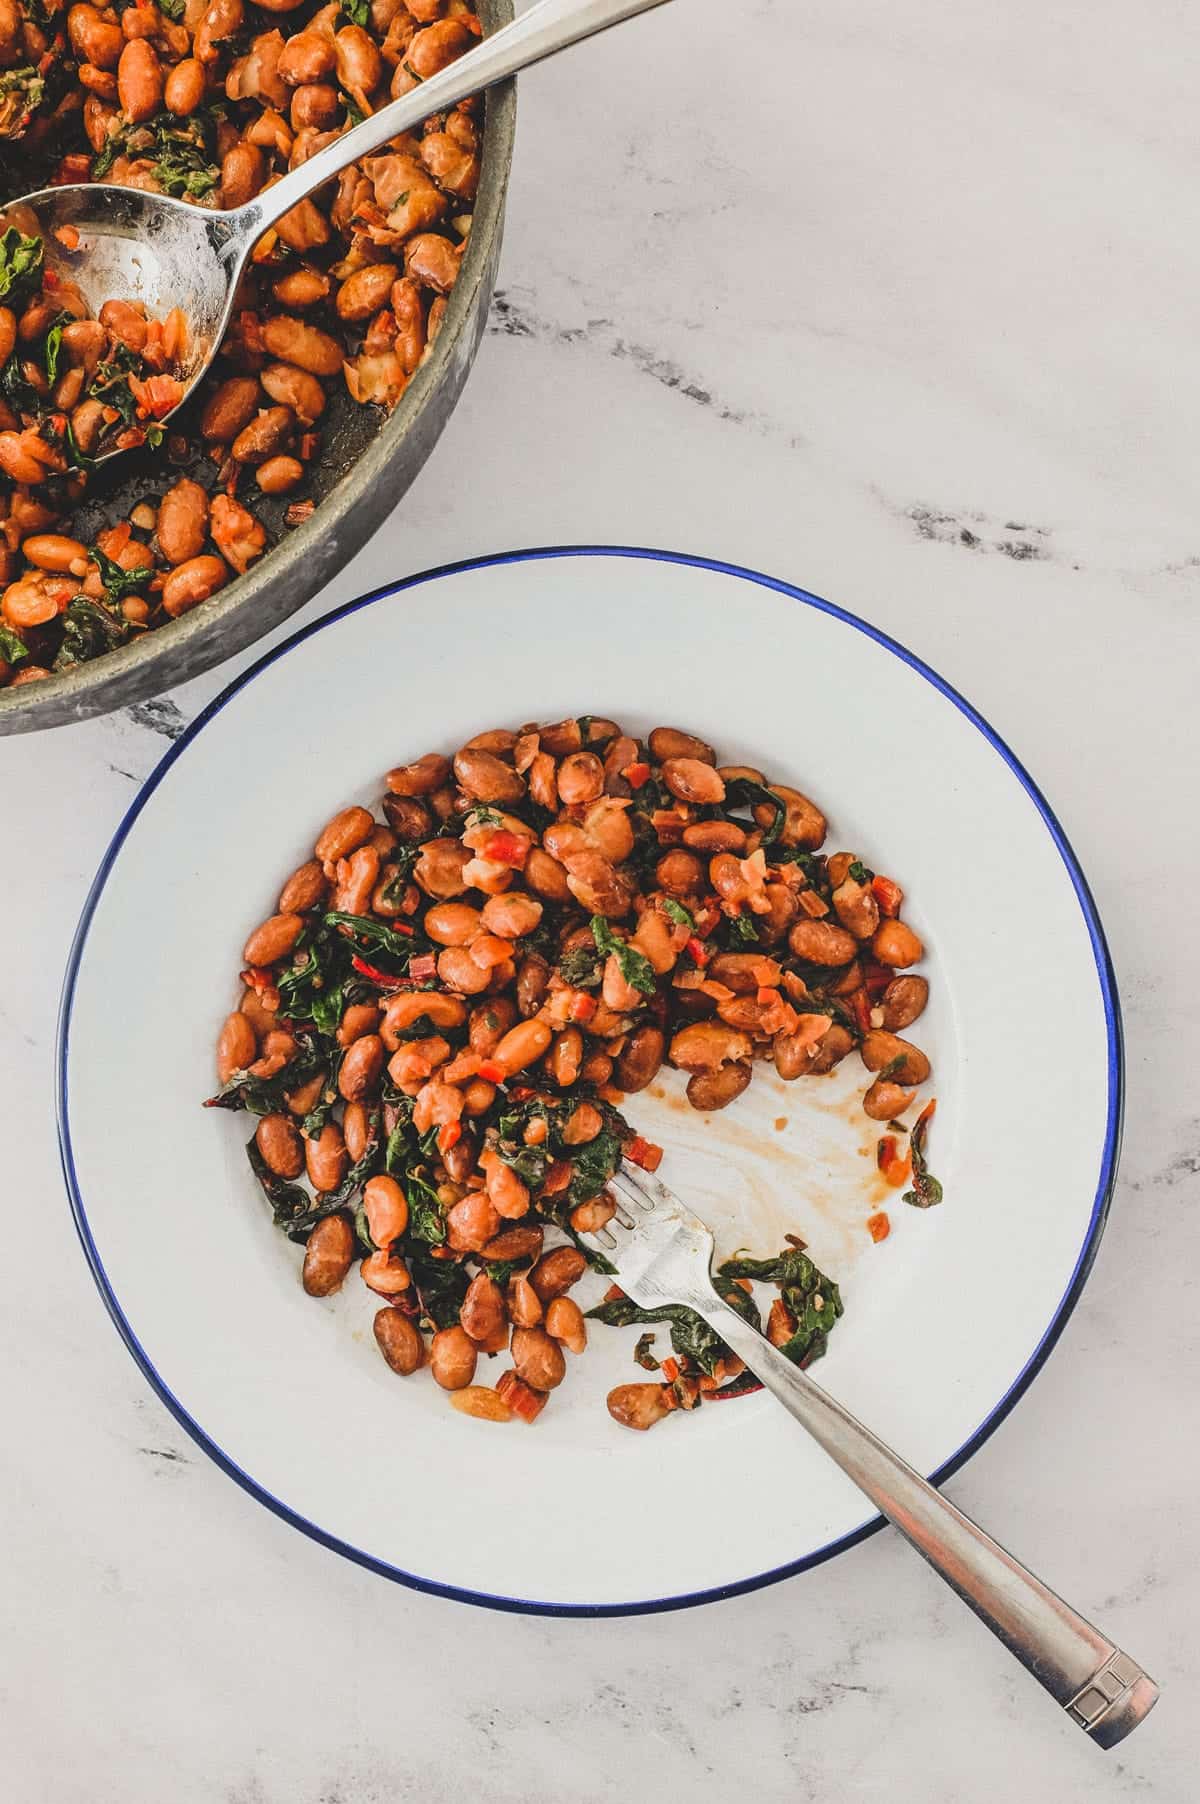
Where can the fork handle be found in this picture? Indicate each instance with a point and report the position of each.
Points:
(1101, 1688)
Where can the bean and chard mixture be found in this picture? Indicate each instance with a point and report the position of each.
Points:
(210, 101)
(439, 1021)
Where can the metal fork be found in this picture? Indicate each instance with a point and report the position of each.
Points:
(663, 1254)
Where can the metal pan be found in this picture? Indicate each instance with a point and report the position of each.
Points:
(366, 463)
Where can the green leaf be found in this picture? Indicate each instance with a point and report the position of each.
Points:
(744, 792)
(814, 1299)
(89, 629)
(742, 930)
(676, 910)
(376, 934)
(691, 1336)
(20, 257)
(441, 1285)
(268, 1095)
(119, 582)
(644, 1356)
(858, 870)
(926, 1190)
(171, 9)
(592, 1166)
(53, 347)
(12, 647)
(357, 11)
(635, 967)
(581, 968)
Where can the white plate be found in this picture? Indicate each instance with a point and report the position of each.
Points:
(946, 1321)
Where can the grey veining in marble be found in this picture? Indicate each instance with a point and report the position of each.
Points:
(898, 303)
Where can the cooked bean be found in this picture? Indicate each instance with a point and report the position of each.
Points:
(679, 873)
(302, 287)
(885, 1100)
(880, 1049)
(294, 388)
(399, 1341)
(303, 889)
(590, 1217)
(555, 1272)
(896, 944)
(804, 825)
(184, 88)
(361, 1068)
(348, 830)
(386, 1273)
(821, 943)
(521, 1045)
(523, 1303)
(856, 908)
(279, 475)
(598, 886)
(546, 876)
(538, 1359)
(325, 1158)
(182, 521)
(227, 410)
(903, 1001)
(362, 294)
(486, 778)
(714, 836)
(279, 1143)
(515, 1244)
(243, 170)
(453, 923)
(263, 436)
(94, 38)
(308, 56)
(301, 1101)
(565, 1323)
(671, 742)
(295, 341)
(716, 1089)
(439, 869)
(692, 780)
(580, 778)
(511, 916)
(273, 940)
(327, 1256)
(472, 1222)
(831, 1050)
(139, 81)
(638, 1062)
(236, 1046)
(421, 777)
(582, 1125)
(459, 972)
(484, 1404)
(452, 1357)
(704, 1045)
(565, 1057)
(482, 1314)
(638, 1405)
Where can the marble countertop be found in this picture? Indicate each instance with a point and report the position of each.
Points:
(899, 304)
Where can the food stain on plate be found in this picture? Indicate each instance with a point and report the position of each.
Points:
(755, 1181)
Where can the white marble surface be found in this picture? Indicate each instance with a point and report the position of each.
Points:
(899, 304)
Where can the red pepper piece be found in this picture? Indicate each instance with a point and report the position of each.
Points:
(492, 1072)
(889, 895)
(507, 848)
(644, 1153)
(879, 1226)
(636, 774)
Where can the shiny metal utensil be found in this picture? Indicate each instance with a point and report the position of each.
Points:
(133, 246)
(663, 1254)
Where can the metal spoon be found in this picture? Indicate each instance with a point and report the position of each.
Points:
(166, 253)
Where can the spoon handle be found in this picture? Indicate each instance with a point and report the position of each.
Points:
(549, 26)
(1101, 1689)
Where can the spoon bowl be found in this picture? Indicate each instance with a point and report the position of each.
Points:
(124, 244)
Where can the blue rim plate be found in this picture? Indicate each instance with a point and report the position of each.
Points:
(532, 563)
